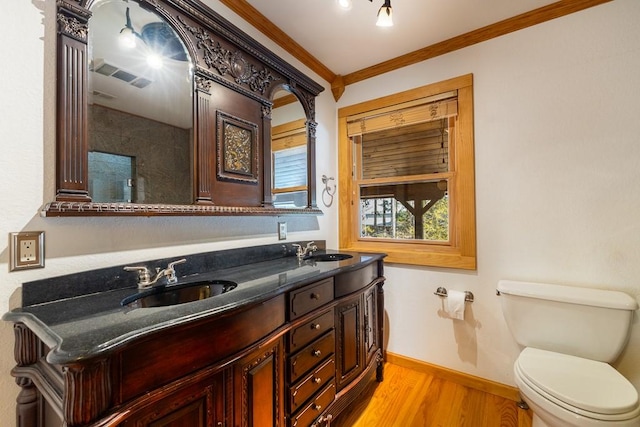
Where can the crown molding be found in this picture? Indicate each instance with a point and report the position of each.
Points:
(339, 82)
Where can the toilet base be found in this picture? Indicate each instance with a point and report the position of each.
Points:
(538, 422)
(555, 418)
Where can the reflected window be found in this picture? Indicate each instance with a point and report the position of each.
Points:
(290, 168)
(289, 159)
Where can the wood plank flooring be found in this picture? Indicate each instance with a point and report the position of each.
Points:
(408, 398)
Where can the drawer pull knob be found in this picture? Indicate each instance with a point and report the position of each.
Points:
(315, 295)
(315, 326)
(317, 380)
(317, 407)
(316, 353)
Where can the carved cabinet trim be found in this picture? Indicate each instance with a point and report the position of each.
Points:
(223, 57)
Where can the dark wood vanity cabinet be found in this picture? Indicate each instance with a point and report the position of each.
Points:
(357, 337)
(199, 405)
(295, 360)
(258, 387)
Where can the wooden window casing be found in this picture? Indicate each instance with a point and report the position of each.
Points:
(284, 137)
(460, 250)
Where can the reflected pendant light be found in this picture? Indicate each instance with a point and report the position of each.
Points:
(127, 33)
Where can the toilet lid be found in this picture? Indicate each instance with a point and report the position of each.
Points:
(582, 383)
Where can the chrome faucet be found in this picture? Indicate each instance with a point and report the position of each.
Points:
(145, 281)
(309, 249)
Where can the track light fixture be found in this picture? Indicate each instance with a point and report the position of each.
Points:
(385, 15)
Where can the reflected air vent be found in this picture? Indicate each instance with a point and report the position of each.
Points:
(105, 69)
(102, 95)
(141, 82)
(123, 75)
(99, 66)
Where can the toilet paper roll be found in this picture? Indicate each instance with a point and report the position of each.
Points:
(455, 304)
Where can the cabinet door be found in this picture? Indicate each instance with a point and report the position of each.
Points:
(370, 323)
(349, 358)
(259, 387)
(197, 405)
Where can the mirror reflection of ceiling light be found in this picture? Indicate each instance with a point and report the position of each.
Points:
(159, 41)
(128, 35)
(155, 61)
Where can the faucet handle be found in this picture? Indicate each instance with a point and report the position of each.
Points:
(179, 261)
(144, 275)
(170, 271)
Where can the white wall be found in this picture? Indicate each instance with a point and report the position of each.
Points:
(557, 141)
(27, 134)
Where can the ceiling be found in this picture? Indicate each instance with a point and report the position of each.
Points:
(348, 40)
(341, 46)
(347, 43)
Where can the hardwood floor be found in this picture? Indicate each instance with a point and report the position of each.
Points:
(408, 398)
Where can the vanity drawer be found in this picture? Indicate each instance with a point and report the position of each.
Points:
(307, 332)
(307, 299)
(312, 411)
(311, 355)
(309, 385)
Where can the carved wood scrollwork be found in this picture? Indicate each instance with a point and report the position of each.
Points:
(26, 345)
(230, 62)
(26, 353)
(204, 84)
(72, 27)
(312, 126)
(88, 392)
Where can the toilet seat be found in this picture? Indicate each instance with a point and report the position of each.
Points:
(585, 387)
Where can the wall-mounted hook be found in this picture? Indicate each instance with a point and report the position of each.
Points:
(328, 191)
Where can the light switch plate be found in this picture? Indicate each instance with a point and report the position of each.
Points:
(27, 250)
(282, 231)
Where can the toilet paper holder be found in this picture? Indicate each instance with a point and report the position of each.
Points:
(442, 292)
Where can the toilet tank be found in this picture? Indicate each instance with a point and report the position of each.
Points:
(584, 322)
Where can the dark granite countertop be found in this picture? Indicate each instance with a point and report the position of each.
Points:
(93, 323)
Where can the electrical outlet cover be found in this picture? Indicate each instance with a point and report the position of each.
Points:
(26, 250)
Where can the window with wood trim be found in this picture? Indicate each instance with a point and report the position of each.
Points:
(406, 173)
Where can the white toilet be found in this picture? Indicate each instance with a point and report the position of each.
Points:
(570, 335)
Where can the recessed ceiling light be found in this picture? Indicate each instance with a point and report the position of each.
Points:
(344, 4)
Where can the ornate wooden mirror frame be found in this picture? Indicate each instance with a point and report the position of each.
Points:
(228, 65)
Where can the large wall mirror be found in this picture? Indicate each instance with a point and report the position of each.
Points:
(140, 115)
(165, 108)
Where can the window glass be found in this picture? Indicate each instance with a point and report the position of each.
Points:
(390, 211)
(399, 197)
